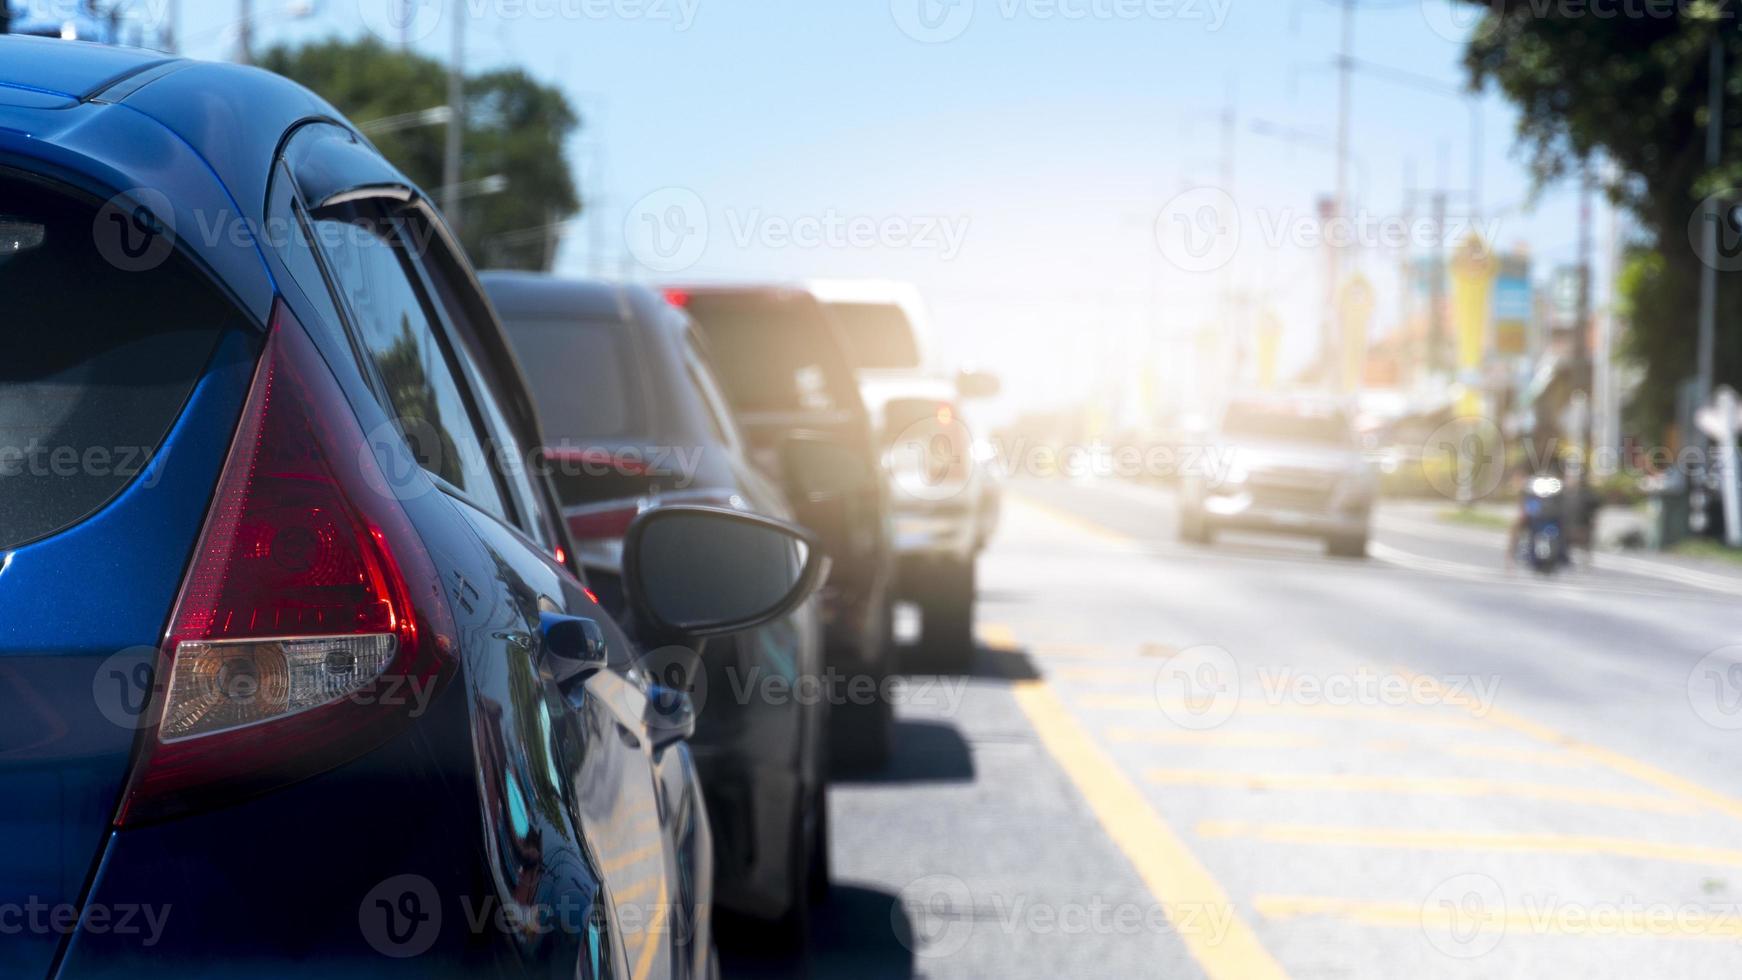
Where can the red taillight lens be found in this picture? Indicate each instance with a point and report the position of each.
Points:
(311, 623)
(677, 297)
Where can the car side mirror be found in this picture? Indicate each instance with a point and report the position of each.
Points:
(978, 384)
(692, 572)
(819, 468)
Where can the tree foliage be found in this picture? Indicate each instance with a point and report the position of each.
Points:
(514, 127)
(1633, 89)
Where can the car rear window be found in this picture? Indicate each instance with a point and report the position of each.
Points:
(107, 330)
(878, 335)
(775, 355)
(579, 370)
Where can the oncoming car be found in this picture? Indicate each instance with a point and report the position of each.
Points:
(1288, 465)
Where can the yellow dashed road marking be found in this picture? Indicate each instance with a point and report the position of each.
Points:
(636, 889)
(1242, 740)
(621, 861)
(1444, 840)
(655, 927)
(1564, 919)
(1533, 757)
(1131, 671)
(1080, 525)
(1424, 785)
(1257, 708)
(996, 636)
(1174, 876)
(1642, 771)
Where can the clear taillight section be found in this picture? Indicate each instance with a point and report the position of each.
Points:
(311, 620)
(228, 684)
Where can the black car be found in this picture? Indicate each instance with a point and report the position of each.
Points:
(634, 421)
(784, 366)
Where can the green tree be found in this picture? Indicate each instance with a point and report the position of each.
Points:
(1632, 88)
(514, 127)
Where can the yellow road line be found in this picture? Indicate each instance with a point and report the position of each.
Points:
(636, 889)
(1216, 739)
(1300, 741)
(996, 636)
(654, 926)
(1423, 785)
(1256, 707)
(1642, 771)
(1444, 840)
(1081, 525)
(1089, 651)
(1506, 753)
(1565, 919)
(621, 861)
(1167, 866)
(1131, 672)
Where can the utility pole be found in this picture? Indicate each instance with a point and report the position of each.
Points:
(1340, 205)
(1225, 166)
(1582, 372)
(1606, 414)
(1709, 274)
(456, 123)
(245, 32)
(1436, 331)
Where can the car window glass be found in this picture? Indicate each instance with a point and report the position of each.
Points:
(97, 360)
(512, 457)
(367, 260)
(878, 335)
(719, 419)
(579, 371)
(774, 357)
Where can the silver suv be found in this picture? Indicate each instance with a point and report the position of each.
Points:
(1287, 465)
(944, 489)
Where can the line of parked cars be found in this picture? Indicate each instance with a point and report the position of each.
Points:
(360, 614)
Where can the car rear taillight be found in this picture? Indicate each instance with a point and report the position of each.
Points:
(311, 623)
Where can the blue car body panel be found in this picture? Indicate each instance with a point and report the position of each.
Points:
(81, 615)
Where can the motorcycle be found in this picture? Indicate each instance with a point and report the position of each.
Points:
(1543, 545)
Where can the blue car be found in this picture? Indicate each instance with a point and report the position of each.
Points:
(298, 674)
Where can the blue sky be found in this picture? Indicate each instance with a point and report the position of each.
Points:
(1045, 135)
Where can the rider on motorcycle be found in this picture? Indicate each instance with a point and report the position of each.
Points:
(1544, 487)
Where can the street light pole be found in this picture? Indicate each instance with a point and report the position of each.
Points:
(456, 124)
(245, 32)
(1709, 274)
(1341, 203)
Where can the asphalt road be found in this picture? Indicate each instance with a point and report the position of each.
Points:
(1255, 761)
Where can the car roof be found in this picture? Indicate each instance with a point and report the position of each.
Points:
(77, 69)
(200, 137)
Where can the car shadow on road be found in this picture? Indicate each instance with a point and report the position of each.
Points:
(923, 752)
(856, 934)
(988, 662)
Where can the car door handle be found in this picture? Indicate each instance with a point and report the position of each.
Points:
(574, 646)
(670, 718)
